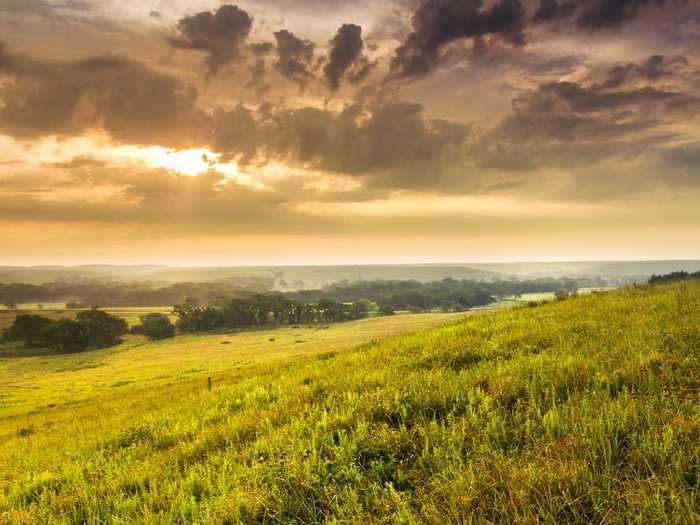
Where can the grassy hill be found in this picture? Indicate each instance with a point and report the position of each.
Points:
(581, 411)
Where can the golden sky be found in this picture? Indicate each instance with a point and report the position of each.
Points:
(327, 131)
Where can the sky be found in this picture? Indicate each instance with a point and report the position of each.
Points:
(277, 132)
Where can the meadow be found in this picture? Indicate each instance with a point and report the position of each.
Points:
(35, 378)
(578, 411)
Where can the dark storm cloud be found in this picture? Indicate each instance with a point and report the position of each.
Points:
(394, 142)
(568, 124)
(294, 57)
(436, 23)
(606, 14)
(654, 68)
(596, 14)
(581, 99)
(131, 102)
(221, 34)
(553, 9)
(346, 56)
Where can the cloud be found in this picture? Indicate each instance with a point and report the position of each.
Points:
(437, 23)
(686, 156)
(221, 34)
(596, 14)
(392, 144)
(347, 57)
(553, 9)
(567, 124)
(608, 14)
(294, 57)
(656, 67)
(131, 102)
(42, 7)
(258, 69)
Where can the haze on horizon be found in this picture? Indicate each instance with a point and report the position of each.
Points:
(269, 132)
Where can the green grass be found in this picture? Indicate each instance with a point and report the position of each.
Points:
(581, 411)
(34, 378)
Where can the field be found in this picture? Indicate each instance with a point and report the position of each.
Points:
(580, 411)
(31, 381)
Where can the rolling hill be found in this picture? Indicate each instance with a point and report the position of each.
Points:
(579, 411)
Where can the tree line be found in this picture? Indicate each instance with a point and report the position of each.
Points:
(445, 294)
(401, 294)
(89, 330)
(263, 309)
(673, 277)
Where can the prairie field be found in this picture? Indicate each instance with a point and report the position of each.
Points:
(577, 411)
(35, 378)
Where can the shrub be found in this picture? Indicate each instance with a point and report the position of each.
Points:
(155, 326)
(67, 336)
(27, 328)
(104, 330)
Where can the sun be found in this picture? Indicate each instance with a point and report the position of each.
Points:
(191, 162)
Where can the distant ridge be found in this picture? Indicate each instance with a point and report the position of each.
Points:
(320, 275)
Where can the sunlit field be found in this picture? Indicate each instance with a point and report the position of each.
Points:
(577, 411)
(32, 378)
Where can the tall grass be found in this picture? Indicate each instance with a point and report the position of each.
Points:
(581, 411)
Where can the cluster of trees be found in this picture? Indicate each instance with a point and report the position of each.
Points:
(156, 326)
(89, 330)
(262, 309)
(673, 277)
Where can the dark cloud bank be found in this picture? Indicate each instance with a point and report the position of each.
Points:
(623, 113)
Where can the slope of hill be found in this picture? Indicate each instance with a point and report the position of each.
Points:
(581, 411)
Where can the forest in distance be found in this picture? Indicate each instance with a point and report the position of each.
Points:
(93, 328)
(402, 295)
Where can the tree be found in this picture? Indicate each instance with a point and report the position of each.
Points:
(197, 319)
(28, 328)
(386, 308)
(359, 309)
(67, 336)
(10, 305)
(156, 326)
(104, 330)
